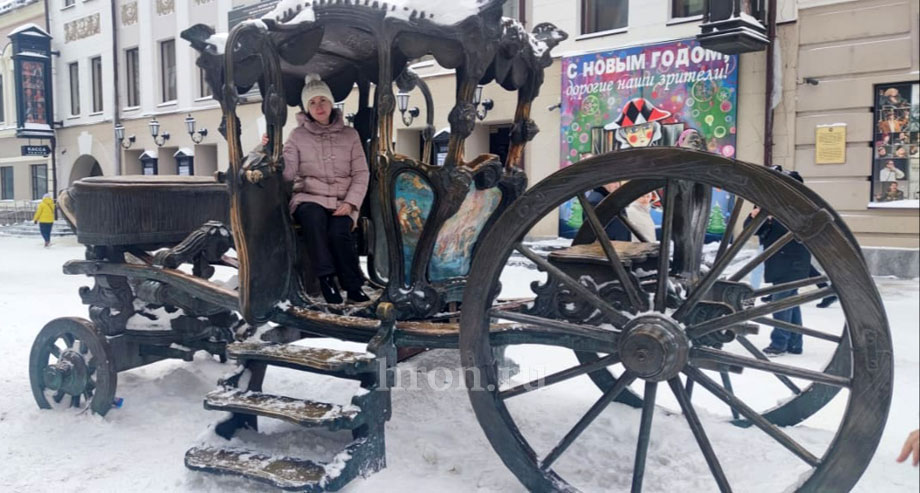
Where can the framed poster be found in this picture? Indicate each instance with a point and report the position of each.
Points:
(895, 148)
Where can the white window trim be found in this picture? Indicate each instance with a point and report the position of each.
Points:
(168, 103)
(601, 34)
(684, 20)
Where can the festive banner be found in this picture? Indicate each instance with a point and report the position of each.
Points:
(671, 94)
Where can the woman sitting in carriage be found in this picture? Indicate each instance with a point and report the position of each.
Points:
(325, 160)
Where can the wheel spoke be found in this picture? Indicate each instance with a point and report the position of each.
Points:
(789, 286)
(712, 355)
(727, 382)
(75, 401)
(730, 227)
(58, 396)
(798, 329)
(626, 282)
(701, 439)
(719, 266)
(617, 318)
(608, 397)
(751, 348)
(645, 432)
(664, 248)
(725, 322)
(561, 376)
(726, 396)
(764, 255)
(54, 350)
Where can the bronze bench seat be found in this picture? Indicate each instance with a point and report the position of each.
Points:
(590, 260)
(151, 211)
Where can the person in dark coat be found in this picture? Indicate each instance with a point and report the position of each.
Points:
(615, 229)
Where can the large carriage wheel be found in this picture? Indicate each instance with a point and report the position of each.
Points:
(667, 343)
(71, 366)
(802, 402)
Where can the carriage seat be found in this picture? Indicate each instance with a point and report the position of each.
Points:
(149, 211)
(579, 260)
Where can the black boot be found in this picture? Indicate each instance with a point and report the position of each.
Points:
(826, 302)
(330, 291)
(357, 295)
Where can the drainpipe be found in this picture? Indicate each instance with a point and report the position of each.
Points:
(116, 116)
(53, 139)
(768, 97)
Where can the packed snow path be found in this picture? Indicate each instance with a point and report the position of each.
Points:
(434, 442)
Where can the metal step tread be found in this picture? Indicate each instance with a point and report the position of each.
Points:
(298, 411)
(327, 360)
(287, 473)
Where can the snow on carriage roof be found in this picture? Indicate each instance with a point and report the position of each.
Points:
(445, 13)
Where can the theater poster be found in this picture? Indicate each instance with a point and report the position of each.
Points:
(669, 94)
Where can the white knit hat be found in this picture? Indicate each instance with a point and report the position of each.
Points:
(314, 86)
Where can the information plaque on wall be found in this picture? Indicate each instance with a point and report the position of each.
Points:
(831, 144)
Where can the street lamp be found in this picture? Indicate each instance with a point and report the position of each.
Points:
(197, 137)
(402, 102)
(120, 136)
(487, 104)
(158, 139)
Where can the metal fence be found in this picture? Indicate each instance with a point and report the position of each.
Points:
(17, 211)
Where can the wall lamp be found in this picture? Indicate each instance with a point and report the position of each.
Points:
(198, 136)
(158, 139)
(120, 136)
(487, 104)
(402, 102)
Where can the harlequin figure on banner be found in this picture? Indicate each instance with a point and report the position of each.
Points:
(638, 124)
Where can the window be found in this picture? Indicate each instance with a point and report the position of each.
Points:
(603, 15)
(185, 165)
(6, 183)
(168, 70)
(96, 64)
(2, 113)
(204, 90)
(69, 3)
(514, 9)
(686, 8)
(131, 67)
(39, 180)
(74, 88)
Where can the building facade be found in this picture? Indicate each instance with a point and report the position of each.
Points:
(22, 178)
(123, 62)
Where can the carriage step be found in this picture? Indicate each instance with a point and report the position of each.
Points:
(362, 457)
(297, 411)
(345, 364)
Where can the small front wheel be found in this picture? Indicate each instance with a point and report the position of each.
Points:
(71, 366)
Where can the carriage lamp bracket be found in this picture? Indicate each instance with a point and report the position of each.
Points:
(126, 143)
(198, 136)
(158, 138)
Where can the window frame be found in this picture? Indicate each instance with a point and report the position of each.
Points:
(167, 73)
(685, 3)
(73, 70)
(204, 89)
(132, 77)
(95, 64)
(7, 188)
(37, 190)
(591, 6)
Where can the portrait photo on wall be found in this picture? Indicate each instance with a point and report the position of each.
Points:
(896, 150)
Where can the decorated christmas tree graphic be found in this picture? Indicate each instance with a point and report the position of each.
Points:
(716, 220)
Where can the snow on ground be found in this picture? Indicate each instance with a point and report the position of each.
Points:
(434, 442)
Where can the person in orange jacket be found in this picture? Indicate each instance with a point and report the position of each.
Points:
(44, 217)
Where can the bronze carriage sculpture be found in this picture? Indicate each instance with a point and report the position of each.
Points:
(642, 312)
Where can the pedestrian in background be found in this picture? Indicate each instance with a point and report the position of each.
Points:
(44, 217)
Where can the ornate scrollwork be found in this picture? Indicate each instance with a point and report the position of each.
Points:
(204, 246)
(110, 303)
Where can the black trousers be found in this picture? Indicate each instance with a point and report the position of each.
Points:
(330, 244)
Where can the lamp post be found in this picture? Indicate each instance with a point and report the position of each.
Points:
(198, 136)
(120, 136)
(158, 139)
(402, 102)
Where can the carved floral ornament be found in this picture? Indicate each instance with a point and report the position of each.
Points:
(83, 27)
(129, 13)
(166, 7)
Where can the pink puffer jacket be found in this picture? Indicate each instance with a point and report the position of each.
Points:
(326, 164)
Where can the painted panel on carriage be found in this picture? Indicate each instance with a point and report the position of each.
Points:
(413, 198)
(453, 250)
(667, 94)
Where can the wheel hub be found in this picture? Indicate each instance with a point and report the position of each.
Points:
(69, 374)
(654, 347)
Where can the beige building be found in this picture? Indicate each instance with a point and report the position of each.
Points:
(22, 178)
(845, 46)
